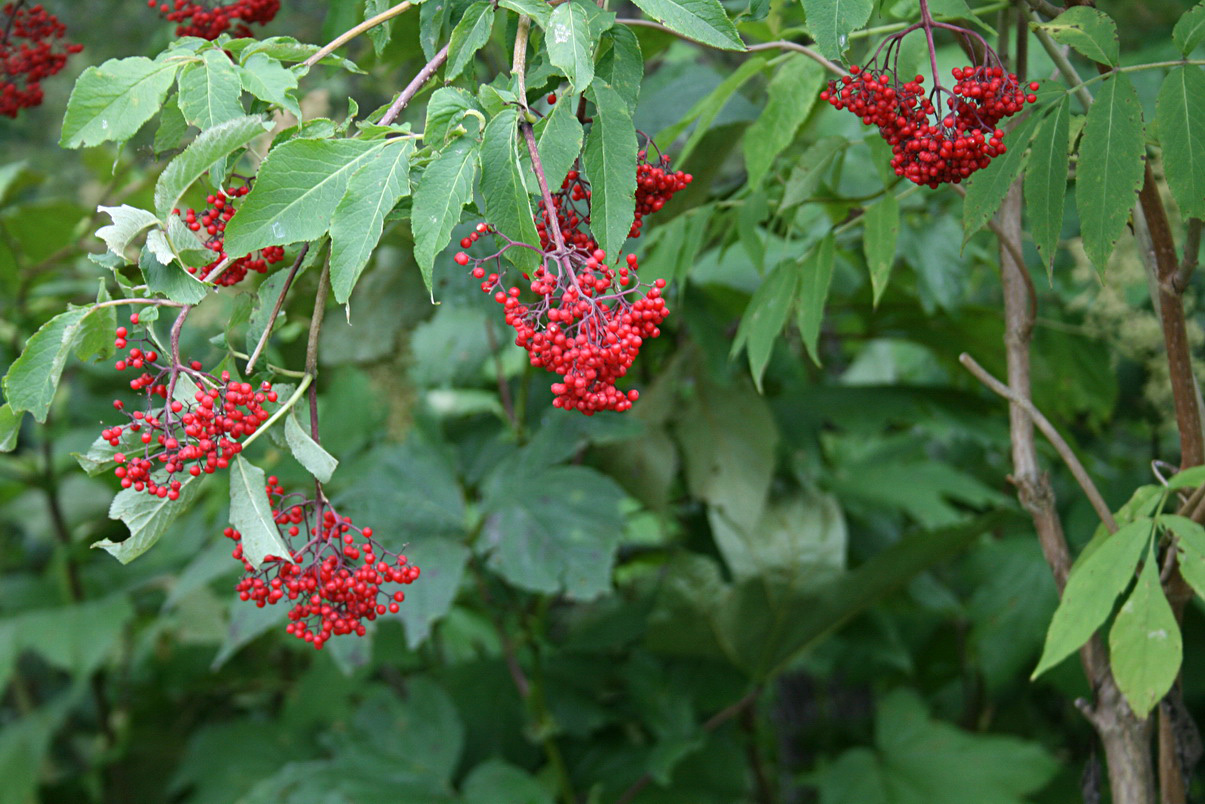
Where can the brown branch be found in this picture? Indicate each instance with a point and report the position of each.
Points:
(407, 95)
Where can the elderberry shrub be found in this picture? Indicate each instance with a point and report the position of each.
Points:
(931, 145)
(209, 21)
(32, 48)
(582, 319)
(212, 222)
(171, 433)
(335, 574)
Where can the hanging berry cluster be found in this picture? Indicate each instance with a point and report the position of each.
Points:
(942, 136)
(172, 433)
(335, 575)
(32, 48)
(584, 319)
(211, 223)
(209, 21)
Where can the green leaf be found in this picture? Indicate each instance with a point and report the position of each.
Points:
(538, 10)
(792, 93)
(1190, 546)
(171, 280)
(147, 516)
(112, 101)
(251, 514)
(443, 562)
(812, 167)
(1145, 647)
(33, 377)
(296, 192)
(802, 533)
(381, 33)
(701, 20)
(1089, 31)
(621, 64)
(573, 31)
(765, 316)
(9, 174)
(1096, 579)
(443, 190)
(360, 217)
(987, 187)
(817, 270)
(445, 110)
(832, 21)
(317, 461)
(10, 427)
(198, 157)
(210, 91)
(880, 231)
(1110, 167)
(495, 780)
(267, 79)
(507, 204)
(1046, 180)
(1190, 29)
(128, 222)
(559, 142)
(610, 161)
(552, 530)
(469, 36)
(1180, 120)
(705, 111)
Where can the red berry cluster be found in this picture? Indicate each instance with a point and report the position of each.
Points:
(31, 49)
(210, 21)
(930, 147)
(584, 319)
(212, 221)
(170, 434)
(335, 576)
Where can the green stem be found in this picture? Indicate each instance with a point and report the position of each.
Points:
(281, 411)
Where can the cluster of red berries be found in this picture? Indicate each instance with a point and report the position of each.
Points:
(171, 434)
(31, 49)
(212, 221)
(584, 319)
(931, 146)
(211, 21)
(335, 577)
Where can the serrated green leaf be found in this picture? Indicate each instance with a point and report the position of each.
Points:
(832, 21)
(573, 32)
(1180, 120)
(621, 64)
(127, 223)
(816, 274)
(296, 192)
(1190, 546)
(1089, 31)
(469, 36)
(210, 91)
(1096, 579)
(317, 461)
(1110, 167)
(705, 111)
(610, 161)
(33, 377)
(702, 20)
(446, 109)
(251, 514)
(443, 562)
(538, 10)
(172, 126)
(147, 516)
(507, 204)
(880, 231)
(559, 141)
(765, 316)
(792, 93)
(111, 102)
(287, 49)
(812, 167)
(171, 280)
(10, 427)
(199, 156)
(267, 79)
(441, 193)
(1145, 648)
(987, 187)
(1190, 29)
(1046, 180)
(360, 217)
(381, 33)
(185, 244)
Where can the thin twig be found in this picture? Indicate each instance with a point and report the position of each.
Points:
(1043, 7)
(350, 34)
(280, 300)
(780, 44)
(424, 75)
(311, 365)
(1065, 67)
(1052, 435)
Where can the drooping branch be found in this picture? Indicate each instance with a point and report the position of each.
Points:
(420, 80)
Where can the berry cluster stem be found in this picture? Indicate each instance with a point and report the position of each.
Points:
(311, 365)
(177, 328)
